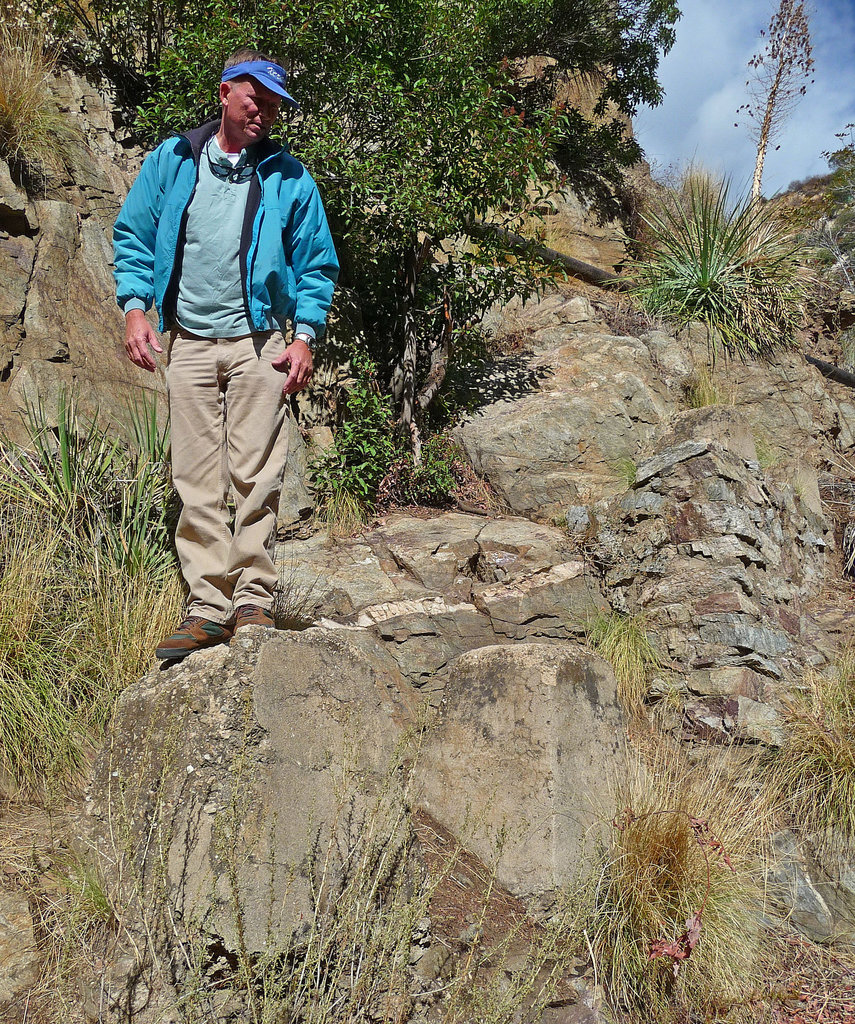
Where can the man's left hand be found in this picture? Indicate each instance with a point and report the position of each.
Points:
(296, 360)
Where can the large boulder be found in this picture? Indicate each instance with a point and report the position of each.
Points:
(224, 773)
(592, 402)
(522, 760)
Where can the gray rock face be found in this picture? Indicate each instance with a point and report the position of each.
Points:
(19, 961)
(820, 903)
(59, 323)
(224, 772)
(523, 733)
(598, 401)
(722, 561)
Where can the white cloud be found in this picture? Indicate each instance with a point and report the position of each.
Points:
(704, 79)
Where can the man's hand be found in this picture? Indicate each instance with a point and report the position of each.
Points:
(297, 359)
(138, 337)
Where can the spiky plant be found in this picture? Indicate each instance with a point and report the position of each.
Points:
(727, 262)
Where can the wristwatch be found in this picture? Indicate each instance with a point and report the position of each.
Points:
(307, 338)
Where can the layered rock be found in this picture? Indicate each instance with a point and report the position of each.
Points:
(427, 590)
(723, 561)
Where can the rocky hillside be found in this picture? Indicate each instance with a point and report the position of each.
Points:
(221, 775)
(430, 708)
(59, 324)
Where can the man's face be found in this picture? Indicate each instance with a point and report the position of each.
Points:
(249, 109)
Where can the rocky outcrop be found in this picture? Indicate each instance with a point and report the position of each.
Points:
(59, 324)
(570, 415)
(234, 785)
(723, 561)
(546, 717)
(565, 423)
(430, 589)
(19, 959)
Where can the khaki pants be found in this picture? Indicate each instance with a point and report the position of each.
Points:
(229, 431)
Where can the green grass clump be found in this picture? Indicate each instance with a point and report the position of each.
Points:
(623, 641)
(731, 264)
(88, 581)
(626, 469)
(815, 769)
(700, 390)
(662, 866)
(32, 131)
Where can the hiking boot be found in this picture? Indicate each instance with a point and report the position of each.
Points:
(252, 615)
(193, 634)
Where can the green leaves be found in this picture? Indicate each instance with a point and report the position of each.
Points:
(365, 445)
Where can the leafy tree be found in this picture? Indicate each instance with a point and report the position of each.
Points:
(420, 126)
(779, 76)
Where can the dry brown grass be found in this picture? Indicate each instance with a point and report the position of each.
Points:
(684, 846)
(33, 133)
(814, 772)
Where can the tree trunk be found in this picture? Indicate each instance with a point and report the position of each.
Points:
(409, 336)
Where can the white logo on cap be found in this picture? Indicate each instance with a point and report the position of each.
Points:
(274, 72)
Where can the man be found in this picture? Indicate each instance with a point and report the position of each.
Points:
(224, 232)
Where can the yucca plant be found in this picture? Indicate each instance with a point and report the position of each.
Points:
(727, 262)
(91, 483)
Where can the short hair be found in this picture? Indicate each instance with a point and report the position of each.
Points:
(244, 54)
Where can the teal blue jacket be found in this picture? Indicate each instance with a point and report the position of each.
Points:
(287, 258)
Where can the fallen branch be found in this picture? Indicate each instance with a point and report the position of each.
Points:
(833, 372)
(521, 244)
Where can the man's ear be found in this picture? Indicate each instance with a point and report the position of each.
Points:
(225, 89)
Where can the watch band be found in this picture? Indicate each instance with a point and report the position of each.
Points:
(307, 338)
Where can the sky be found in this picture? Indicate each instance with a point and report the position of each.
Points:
(704, 79)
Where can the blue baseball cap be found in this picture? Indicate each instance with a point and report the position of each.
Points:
(270, 75)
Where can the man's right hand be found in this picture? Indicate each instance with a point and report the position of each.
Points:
(138, 337)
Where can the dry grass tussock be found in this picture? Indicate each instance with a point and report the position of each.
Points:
(814, 772)
(671, 918)
(74, 631)
(32, 131)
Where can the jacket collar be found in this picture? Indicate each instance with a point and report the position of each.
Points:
(197, 137)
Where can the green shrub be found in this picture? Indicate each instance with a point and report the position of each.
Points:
(730, 264)
(347, 475)
(435, 480)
